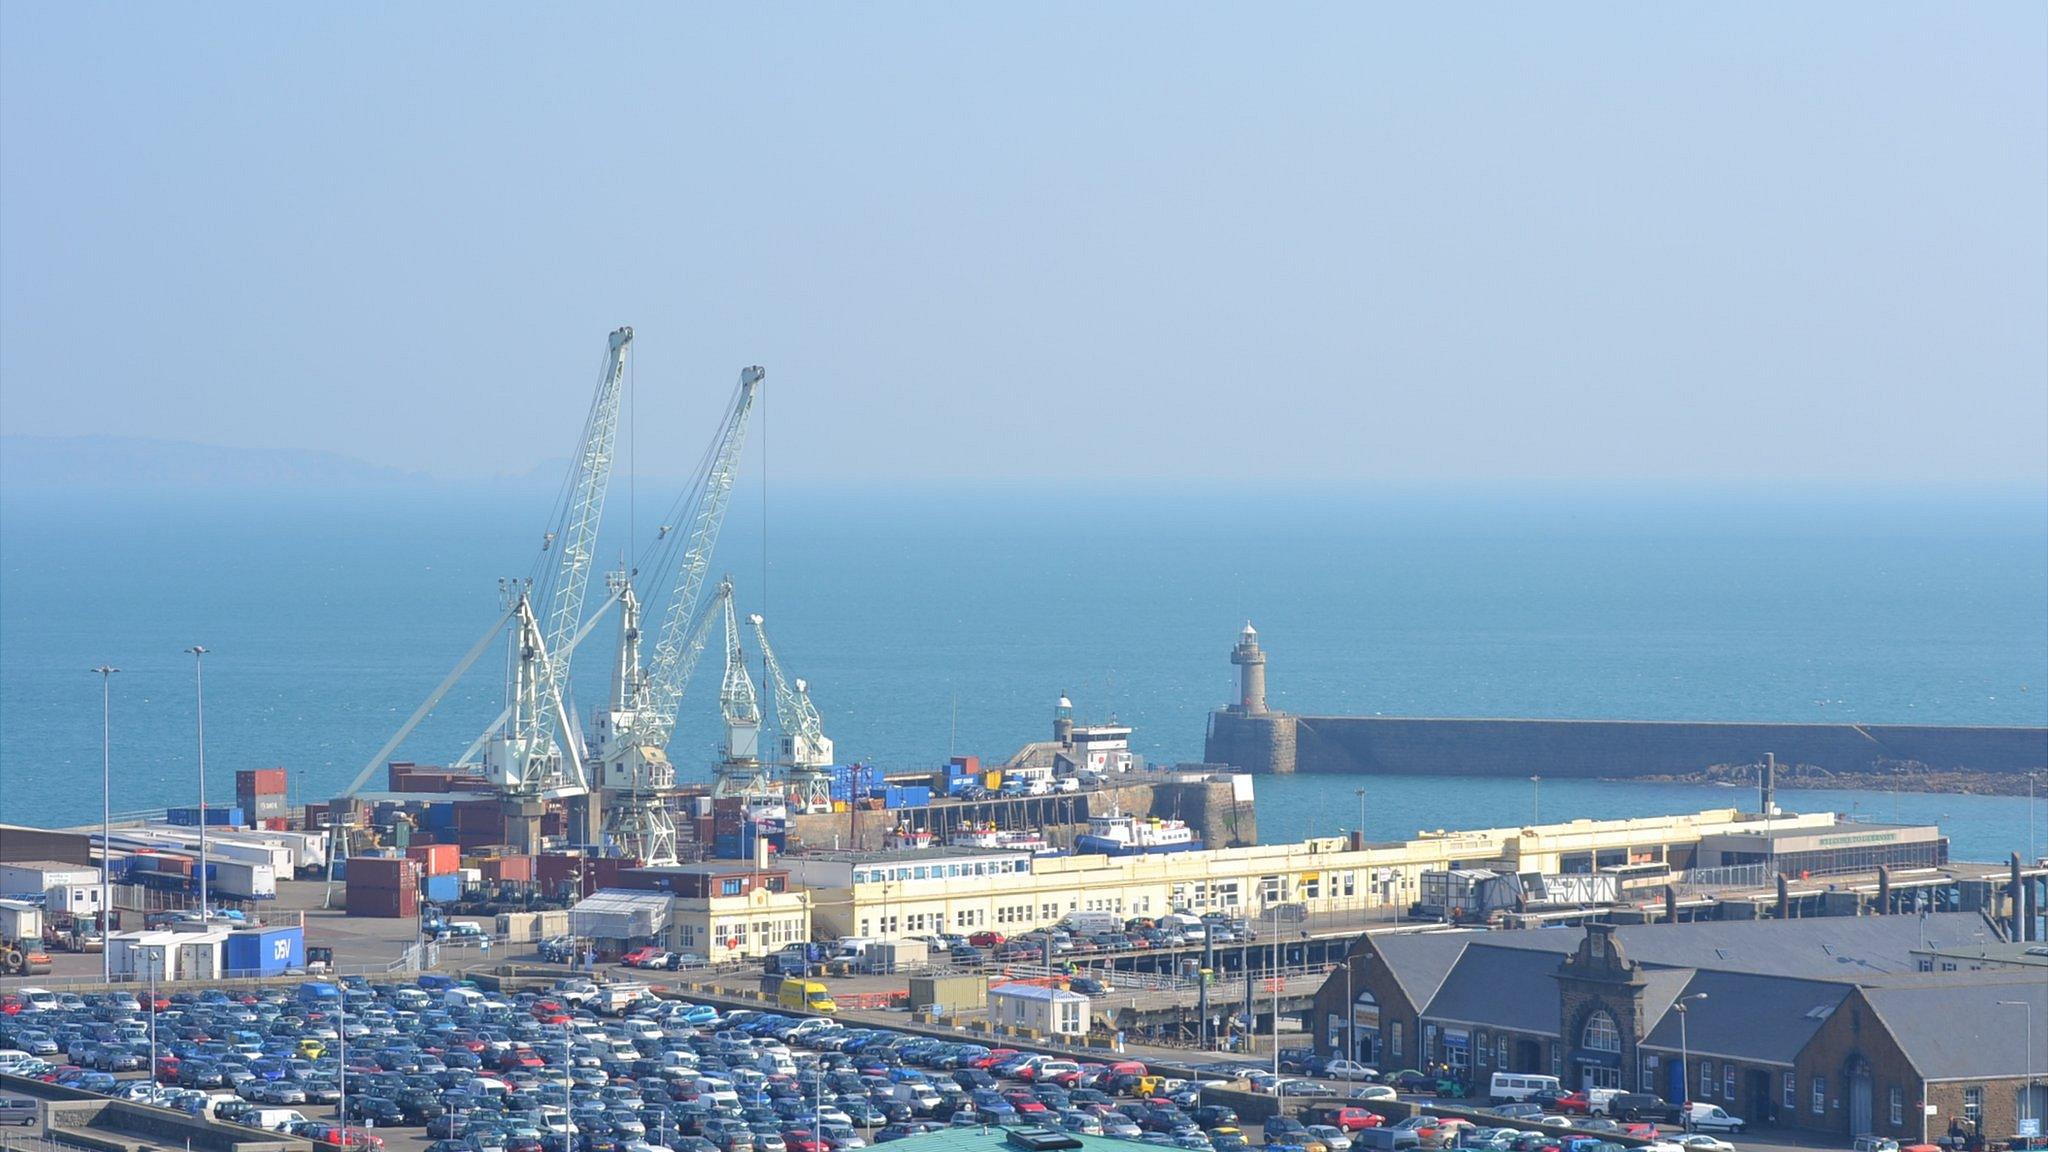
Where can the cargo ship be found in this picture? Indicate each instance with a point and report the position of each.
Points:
(1119, 835)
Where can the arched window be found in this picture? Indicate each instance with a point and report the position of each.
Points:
(1601, 1034)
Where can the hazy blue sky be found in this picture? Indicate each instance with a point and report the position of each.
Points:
(1130, 240)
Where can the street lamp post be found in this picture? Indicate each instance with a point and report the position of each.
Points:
(106, 672)
(2027, 1108)
(1685, 1060)
(199, 684)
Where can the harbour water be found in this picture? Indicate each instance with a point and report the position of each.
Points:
(929, 623)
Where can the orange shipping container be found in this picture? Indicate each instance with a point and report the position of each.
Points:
(437, 859)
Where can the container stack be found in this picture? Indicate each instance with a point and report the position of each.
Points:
(439, 868)
(855, 781)
(261, 793)
(383, 886)
(961, 771)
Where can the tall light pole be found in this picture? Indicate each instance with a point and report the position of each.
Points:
(1536, 800)
(1685, 1060)
(199, 684)
(106, 672)
(2027, 1110)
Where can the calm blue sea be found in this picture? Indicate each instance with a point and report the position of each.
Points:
(935, 621)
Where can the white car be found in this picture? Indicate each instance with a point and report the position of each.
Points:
(1375, 1092)
(1701, 1142)
(1350, 1070)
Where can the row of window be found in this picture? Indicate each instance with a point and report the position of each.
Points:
(952, 871)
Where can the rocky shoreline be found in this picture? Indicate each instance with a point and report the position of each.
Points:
(1890, 776)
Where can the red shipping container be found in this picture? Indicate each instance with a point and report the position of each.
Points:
(275, 824)
(373, 902)
(260, 782)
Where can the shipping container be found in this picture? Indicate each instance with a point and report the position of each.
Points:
(518, 927)
(439, 817)
(199, 954)
(382, 902)
(261, 781)
(215, 815)
(392, 874)
(442, 889)
(436, 859)
(264, 951)
(240, 878)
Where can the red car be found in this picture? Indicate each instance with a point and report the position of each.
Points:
(1574, 1104)
(639, 957)
(167, 1069)
(800, 1140)
(995, 1056)
(986, 939)
(1352, 1119)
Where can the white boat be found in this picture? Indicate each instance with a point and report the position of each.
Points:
(1119, 835)
(1021, 840)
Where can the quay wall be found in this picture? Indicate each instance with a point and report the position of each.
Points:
(1608, 749)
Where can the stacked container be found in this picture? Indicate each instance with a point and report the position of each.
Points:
(261, 793)
(440, 864)
(383, 886)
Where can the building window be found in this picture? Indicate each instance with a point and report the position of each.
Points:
(1973, 1105)
(1557, 1060)
(1706, 1079)
(1482, 1050)
(1820, 1095)
(1896, 1099)
(1394, 1039)
(1791, 1091)
(1500, 1050)
(1601, 1035)
(1728, 1082)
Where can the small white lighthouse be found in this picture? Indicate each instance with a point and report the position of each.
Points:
(1251, 675)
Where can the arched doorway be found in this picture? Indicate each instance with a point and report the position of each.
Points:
(1861, 1120)
(1365, 1022)
(1528, 1057)
(1600, 1044)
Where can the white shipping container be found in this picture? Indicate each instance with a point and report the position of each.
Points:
(240, 878)
(20, 921)
(199, 955)
(135, 954)
(36, 878)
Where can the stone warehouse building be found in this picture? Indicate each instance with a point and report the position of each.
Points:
(1831, 1024)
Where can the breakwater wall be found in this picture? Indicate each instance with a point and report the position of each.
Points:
(1610, 749)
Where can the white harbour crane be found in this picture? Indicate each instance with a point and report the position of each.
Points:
(633, 734)
(533, 754)
(741, 772)
(802, 744)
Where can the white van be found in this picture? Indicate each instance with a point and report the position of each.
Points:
(1509, 1086)
(462, 996)
(274, 1119)
(1704, 1117)
(717, 1090)
(18, 1110)
(12, 1058)
(38, 1000)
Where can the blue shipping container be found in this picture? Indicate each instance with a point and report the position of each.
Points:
(440, 817)
(726, 846)
(264, 951)
(444, 889)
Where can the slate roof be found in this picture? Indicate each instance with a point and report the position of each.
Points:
(1749, 1016)
(1846, 948)
(1420, 962)
(1500, 988)
(1962, 1031)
